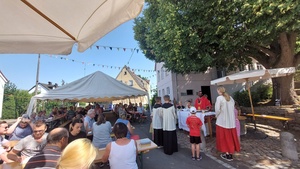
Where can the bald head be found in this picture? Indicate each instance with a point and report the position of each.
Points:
(56, 135)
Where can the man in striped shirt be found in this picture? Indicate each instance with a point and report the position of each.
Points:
(57, 140)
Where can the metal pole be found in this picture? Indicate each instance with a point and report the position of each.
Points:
(37, 82)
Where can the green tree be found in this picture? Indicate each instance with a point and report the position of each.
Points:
(190, 36)
(22, 99)
(9, 107)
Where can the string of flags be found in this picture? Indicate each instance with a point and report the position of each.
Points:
(100, 65)
(120, 48)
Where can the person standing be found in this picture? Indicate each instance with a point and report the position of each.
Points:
(194, 124)
(169, 127)
(237, 121)
(202, 102)
(226, 135)
(157, 122)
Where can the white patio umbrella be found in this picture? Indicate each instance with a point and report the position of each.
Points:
(54, 26)
(254, 75)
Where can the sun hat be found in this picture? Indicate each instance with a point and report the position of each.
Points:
(193, 110)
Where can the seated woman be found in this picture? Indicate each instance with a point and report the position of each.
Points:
(75, 130)
(123, 120)
(81, 153)
(101, 132)
(122, 152)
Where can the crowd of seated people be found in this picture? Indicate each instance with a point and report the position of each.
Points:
(34, 142)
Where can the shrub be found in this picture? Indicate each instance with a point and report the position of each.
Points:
(262, 93)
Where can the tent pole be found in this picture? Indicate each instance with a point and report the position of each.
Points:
(250, 97)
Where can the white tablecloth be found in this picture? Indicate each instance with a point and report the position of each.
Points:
(183, 115)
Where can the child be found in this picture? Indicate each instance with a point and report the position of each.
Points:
(194, 124)
(237, 122)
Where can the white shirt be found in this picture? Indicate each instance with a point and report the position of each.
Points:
(225, 112)
(123, 156)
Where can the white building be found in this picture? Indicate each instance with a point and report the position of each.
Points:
(186, 87)
(43, 87)
(3, 81)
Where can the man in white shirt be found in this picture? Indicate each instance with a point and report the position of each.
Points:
(30, 145)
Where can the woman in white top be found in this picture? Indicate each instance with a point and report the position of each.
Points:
(122, 152)
(226, 135)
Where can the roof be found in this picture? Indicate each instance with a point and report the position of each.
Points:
(45, 86)
(3, 77)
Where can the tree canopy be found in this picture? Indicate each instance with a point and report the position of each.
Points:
(15, 101)
(190, 36)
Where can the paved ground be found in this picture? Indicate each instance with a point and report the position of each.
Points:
(261, 149)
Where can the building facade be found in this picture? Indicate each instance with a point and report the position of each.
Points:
(128, 77)
(3, 81)
(185, 87)
(43, 87)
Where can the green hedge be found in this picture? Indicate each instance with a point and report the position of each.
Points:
(261, 94)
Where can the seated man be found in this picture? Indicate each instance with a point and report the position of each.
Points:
(30, 145)
(3, 147)
(21, 129)
(89, 120)
(57, 140)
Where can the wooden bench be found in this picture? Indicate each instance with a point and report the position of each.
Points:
(65, 123)
(284, 120)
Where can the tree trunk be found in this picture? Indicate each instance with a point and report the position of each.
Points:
(283, 89)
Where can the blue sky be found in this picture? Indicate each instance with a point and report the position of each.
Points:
(21, 69)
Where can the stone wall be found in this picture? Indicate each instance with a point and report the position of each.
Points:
(284, 111)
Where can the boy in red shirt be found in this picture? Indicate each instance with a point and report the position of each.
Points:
(194, 124)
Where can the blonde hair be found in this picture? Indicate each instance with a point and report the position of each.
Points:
(80, 153)
(222, 90)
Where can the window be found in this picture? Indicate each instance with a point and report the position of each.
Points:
(159, 94)
(130, 82)
(162, 73)
(221, 73)
(163, 92)
(168, 91)
(158, 76)
(182, 94)
(166, 73)
(241, 67)
(259, 66)
(250, 67)
(189, 92)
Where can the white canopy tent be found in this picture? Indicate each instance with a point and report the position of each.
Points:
(254, 75)
(96, 87)
(54, 26)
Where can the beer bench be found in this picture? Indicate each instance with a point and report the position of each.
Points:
(284, 120)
